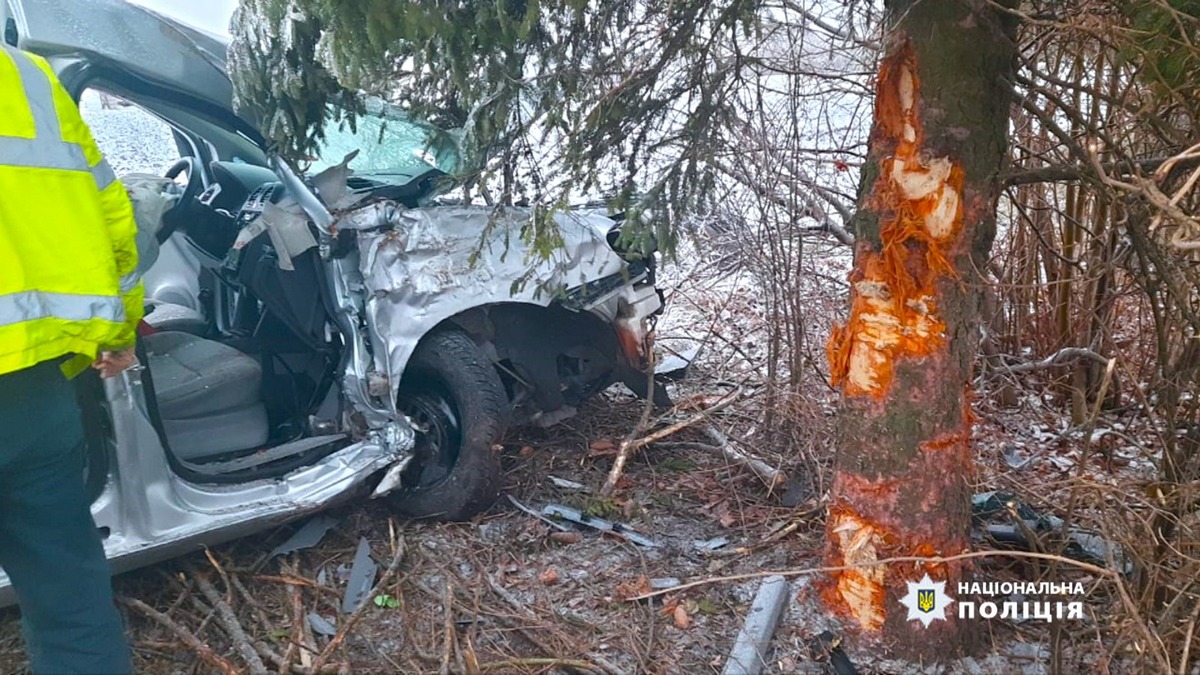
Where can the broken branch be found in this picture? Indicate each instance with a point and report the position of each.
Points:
(629, 446)
(202, 650)
(541, 664)
(1059, 358)
(232, 626)
(768, 474)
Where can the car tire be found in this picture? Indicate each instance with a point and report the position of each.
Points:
(452, 391)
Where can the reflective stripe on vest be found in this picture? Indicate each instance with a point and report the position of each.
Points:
(47, 149)
(34, 305)
(129, 281)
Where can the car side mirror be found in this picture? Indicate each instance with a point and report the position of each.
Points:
(10, 31)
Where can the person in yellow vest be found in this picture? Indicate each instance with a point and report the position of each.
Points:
(68, 290)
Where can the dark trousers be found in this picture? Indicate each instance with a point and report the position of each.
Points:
(49, 546)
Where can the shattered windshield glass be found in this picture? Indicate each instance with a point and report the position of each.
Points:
(392, 148)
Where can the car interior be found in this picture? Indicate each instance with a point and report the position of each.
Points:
(241, 363)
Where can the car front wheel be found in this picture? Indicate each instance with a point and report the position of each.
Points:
(455, 398)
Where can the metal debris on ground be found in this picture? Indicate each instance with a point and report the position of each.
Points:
(320, 625)
(309, 535)
(674, 367)
(362, 578)
(750, 649)
(552, 523)
(560, 512)
(567, 484)
(1019, 522)
(711, 544)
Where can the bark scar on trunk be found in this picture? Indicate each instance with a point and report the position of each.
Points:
(894, 294)
(859, 590)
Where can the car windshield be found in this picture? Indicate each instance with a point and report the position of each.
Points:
(391, 147)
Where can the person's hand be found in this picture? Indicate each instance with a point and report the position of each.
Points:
(111, 364)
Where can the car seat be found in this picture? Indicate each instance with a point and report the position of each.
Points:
(209, 395)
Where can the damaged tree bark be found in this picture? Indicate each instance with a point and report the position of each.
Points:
(925, 223)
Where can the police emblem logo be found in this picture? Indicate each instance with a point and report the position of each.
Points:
(926, 599)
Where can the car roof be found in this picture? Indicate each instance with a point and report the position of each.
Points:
(131, 38)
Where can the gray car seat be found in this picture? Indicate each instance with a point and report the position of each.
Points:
(209, 395)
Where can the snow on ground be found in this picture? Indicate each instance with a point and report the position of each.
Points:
(133, 140)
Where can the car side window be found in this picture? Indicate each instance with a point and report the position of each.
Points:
(133, 140)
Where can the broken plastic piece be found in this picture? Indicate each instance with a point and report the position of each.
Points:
(675, 366)
(309, 535)
(711, 544)
(567, 484)
(575, 516)
(320, 625)
(362, 578)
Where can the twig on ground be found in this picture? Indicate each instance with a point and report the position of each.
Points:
(447, 628)
(1187, 641)
(202, 650)
(294, 580)
(629, 446)
(526, 613)
(297, 644)
(232, 626)
(626, 449)
(259, 613)
(770, 475)
(538, 663)
(1087, 567)
(212, 560)
(384, 580)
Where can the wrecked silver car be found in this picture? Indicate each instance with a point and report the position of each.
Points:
(312, 337)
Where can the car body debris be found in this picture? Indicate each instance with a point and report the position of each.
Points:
(675, 366)
(989, 507)
(711, 544)
(749, 652)
(552, 523)
(560, 512)
(320, 625)
(567, 484)
(310, 534)
(362, 578)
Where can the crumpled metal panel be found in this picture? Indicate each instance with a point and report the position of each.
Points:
(438, 262)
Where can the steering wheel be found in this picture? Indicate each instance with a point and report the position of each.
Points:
(182, 211)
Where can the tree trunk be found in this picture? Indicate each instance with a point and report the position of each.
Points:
(925, 223)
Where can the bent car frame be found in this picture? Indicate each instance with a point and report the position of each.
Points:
(316, 336)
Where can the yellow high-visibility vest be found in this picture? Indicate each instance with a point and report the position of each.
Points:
(68, 282)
